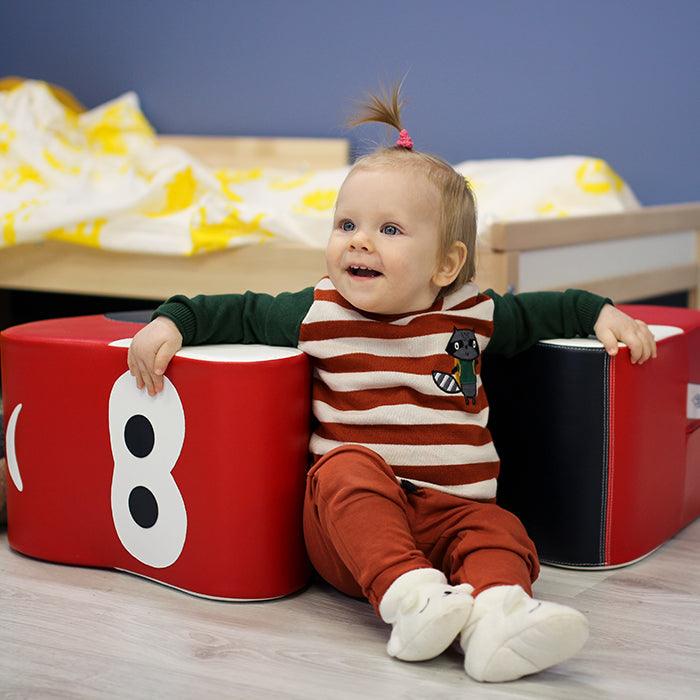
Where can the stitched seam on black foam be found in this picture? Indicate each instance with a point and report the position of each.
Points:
(605, 460)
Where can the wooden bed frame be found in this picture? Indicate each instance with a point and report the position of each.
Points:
(627, 256)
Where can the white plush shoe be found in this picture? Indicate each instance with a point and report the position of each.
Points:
(425, 612)
(510, 635)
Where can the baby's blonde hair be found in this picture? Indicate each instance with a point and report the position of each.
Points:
(457, 205)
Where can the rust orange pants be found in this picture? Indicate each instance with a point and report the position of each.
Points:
(363, 531)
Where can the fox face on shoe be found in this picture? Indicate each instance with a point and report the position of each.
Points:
(425, 612)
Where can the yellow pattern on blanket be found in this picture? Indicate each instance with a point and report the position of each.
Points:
(100, 179)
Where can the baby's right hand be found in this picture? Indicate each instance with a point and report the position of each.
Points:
(151, 350)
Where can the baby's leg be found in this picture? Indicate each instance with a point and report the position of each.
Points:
(355, 526)
(509, 635)
(358, 538)
(486, 546)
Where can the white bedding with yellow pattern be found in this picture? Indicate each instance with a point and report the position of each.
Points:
(100, 179)
(558, 187)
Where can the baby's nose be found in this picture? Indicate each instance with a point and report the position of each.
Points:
(360, 241)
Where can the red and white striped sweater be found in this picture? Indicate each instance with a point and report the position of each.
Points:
(374, 380)
(373, 386)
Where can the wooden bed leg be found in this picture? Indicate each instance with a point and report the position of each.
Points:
(497, 270)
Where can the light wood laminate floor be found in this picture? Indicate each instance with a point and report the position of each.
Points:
(68, 632)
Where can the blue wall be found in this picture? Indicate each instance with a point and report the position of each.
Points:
(506, 78)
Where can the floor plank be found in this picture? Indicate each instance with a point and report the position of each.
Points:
(68, 632)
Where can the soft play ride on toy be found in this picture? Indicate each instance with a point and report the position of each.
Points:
(600, 458)
(199, 487)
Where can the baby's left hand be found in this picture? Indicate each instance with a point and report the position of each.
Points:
(613, 325)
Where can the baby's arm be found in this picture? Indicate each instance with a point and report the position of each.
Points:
(521, 320)
(208, 319)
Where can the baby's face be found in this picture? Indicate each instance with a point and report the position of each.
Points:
(382, 255)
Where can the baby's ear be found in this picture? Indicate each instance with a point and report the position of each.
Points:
(451, 264)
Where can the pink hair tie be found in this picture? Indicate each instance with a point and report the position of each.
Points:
(404, 140)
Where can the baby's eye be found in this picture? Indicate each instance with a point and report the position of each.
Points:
(390, 230)
(347, 226)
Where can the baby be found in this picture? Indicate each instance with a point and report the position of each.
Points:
(400, 501)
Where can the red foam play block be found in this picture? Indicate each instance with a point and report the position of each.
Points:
(200, 487)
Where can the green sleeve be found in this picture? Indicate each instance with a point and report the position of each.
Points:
(239, 318)
(521, 320)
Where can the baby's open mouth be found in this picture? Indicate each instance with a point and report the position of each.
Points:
(358, 271)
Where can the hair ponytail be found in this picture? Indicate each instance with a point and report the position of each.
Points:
(384, 108)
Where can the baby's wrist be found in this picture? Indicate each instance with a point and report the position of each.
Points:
(169, 326)
(182, 318)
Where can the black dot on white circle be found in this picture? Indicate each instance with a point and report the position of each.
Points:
(139, 436)
(143, 507)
